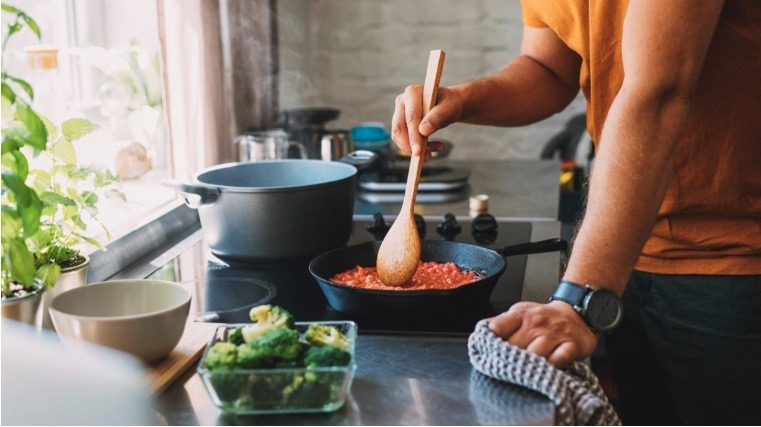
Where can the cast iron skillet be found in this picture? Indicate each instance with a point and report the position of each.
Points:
(367, 302)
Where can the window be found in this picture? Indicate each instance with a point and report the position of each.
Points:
(109, 71)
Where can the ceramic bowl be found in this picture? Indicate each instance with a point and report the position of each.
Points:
(145, 318)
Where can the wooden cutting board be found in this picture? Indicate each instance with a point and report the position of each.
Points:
(163, 373)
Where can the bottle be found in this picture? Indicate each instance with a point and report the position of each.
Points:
(49, 93)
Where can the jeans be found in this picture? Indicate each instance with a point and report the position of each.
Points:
(688, 350)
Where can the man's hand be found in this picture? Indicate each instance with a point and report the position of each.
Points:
(409, 128)
(553, 330)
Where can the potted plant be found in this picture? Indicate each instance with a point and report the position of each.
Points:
(48, 200)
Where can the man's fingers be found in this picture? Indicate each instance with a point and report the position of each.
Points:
(542, 346)
(505, 324)
(564, 354)
(399, 130)
(413, 113)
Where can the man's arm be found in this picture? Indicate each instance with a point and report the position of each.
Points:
(540, 82)
(664, 45)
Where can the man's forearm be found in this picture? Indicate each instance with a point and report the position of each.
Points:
(632, 170)
(523, 92)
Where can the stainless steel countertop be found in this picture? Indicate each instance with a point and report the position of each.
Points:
(399, 381)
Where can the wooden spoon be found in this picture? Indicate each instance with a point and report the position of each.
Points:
(399, 254)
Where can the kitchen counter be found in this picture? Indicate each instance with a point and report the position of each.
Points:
(400, 381)
(418, 379)
(404, 379)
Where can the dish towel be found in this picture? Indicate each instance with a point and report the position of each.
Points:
(575, 391)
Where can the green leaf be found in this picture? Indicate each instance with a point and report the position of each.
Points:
(24, 85)
(8, 93)
(22, 166)
(13, 28)
(11, 226)
(64, 152)
(49, 273)
(93, 242)
(38, 135)
(11, 9)
(76, 128)
(30, 214)
(21, 262)
(91, 198)
(41, 179)
(28, 204)
(32, 25)
(13, 138)
(52, 199)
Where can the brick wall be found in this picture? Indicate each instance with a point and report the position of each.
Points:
(358, 55)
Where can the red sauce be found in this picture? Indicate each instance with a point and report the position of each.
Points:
(429, 275)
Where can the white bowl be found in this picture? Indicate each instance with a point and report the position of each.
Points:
(145, 318)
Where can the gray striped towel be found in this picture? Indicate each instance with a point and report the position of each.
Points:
(575, 391)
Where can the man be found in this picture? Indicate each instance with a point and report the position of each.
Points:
(673, 92)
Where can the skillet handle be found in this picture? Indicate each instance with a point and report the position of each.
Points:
(549, 245)
(207, 194)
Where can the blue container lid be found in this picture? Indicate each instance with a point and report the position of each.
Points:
(369, 132)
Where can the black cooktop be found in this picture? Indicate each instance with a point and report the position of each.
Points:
(226, 290)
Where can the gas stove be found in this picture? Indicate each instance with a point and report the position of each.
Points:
(226, 290)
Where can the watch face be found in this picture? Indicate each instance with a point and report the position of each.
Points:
(603, 310)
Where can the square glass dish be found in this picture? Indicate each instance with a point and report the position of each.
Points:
(280, 390)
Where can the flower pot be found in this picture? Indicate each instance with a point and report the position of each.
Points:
(24, 309)
(70, 278)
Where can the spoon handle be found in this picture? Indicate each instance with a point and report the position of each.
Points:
(430, 93)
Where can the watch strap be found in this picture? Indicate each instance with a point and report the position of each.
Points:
(571, 293)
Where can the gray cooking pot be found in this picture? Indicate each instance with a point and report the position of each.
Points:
(275, 209)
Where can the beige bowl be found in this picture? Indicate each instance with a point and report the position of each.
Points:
(145, 318)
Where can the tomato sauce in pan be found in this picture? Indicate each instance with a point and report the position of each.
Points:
(429, 275)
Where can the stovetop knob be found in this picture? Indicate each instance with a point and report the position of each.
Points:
(420, 224)
(449, 228)
(380, 226)
(484, 228)
(484, 222)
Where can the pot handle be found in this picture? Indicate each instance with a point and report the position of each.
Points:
(549, 245)
(360, 159)
(207, 194)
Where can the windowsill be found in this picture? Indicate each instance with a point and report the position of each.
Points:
(147, 200)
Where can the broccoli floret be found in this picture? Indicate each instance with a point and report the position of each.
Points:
(251, 357)
(326, 356)
(321, 335)
(280, 344)
(236, 336)
(222, 356)
(279, 347)
(266, 318)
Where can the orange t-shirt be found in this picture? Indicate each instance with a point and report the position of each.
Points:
(710, 219)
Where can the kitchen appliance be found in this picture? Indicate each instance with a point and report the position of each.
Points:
(277, 209)
(305, 128)
(288, 283)
(267, 145)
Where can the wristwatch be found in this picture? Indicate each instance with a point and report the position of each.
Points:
(601, 308)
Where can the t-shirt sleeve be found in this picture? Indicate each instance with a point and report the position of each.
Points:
(530, 13)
